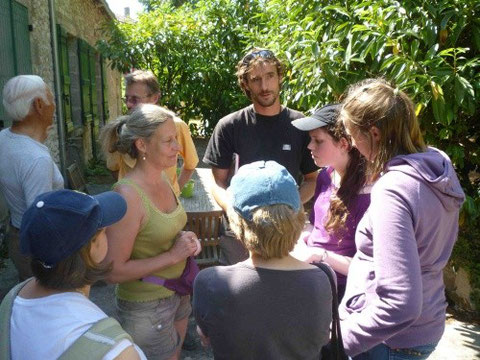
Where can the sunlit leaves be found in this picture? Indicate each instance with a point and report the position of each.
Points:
(430, 49)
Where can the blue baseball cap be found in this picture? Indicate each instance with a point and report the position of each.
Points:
(262, 183)
(59, 223)
(324, 116)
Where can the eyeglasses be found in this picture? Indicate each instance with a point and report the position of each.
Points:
(134, 99)
(266, 54)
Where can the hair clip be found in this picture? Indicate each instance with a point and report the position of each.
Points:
(396, 91)
(119, 128)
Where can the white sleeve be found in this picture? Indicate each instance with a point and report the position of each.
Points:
(122, 345)
(38, 178)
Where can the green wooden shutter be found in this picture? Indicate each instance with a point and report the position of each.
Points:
(84, 63)
(7, 67)
(106, 110)
(94, 100)
(65, 80)
(15, 57)
(21, 38)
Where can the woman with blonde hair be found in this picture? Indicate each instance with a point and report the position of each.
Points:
(150, 247)
(270, 306)
(394, 303)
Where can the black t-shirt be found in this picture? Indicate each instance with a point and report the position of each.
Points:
(256, 137)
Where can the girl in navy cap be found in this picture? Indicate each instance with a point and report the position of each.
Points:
(341, 197)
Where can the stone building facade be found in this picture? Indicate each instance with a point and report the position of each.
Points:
(89, 90)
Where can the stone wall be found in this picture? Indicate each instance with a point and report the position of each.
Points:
(42, 60)
(81, 19)
(84, 19)
(458, 288)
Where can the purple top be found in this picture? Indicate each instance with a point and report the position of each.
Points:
(395, 291)
(344, 243)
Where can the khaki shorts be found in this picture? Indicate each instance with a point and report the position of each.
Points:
(151, 323)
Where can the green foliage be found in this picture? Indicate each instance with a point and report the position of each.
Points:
(193, 51)
(425, 48)
(428, 48)
(96, 167)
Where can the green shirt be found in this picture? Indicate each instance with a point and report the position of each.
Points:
(156, 236)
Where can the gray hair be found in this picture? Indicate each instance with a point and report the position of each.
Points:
(19, 93)
(121, 134)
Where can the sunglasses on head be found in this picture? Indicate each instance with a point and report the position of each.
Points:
(266, 54)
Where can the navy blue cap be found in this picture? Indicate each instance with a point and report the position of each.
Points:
(59, 223)
(262, 183)
(326, 115)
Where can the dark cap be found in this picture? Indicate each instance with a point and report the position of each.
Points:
(59, 223)
(326, 115)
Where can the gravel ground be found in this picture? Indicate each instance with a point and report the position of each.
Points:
(103, 295)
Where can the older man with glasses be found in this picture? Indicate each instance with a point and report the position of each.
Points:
(261, 131)
(142, 88)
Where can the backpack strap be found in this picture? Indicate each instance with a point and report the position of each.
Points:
(5, 315)
(97, 341)
(336, 341)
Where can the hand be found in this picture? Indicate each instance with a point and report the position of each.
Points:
(193, 236)
(204, 340)
(304, 236)
(186, 244)
(315, 257)
(308, 254)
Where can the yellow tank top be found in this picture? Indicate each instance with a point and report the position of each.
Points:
(156, 236)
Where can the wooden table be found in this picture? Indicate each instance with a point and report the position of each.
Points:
(204, 216)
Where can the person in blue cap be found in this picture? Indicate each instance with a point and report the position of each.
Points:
(270, 306)
(50, 316)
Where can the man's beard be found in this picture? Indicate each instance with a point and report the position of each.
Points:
(266, 102)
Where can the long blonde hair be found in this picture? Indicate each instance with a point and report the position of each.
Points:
(374, 102)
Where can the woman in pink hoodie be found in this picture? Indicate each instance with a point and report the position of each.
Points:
(394, 303)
